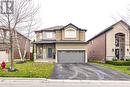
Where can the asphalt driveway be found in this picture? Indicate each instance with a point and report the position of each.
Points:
(86, 72)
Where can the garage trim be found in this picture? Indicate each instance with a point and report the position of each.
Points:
(86, 60)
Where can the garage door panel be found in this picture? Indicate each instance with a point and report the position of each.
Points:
(71, 56)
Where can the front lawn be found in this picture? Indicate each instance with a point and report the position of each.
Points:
(30, 69)
(123, 69)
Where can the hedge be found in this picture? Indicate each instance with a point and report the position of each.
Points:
(119, 63)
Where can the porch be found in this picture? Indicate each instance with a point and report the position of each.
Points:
(45, 53)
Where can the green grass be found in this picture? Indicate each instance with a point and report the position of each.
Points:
(123, 69)
(30, 69)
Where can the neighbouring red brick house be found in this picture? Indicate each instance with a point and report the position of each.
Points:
(5, 47)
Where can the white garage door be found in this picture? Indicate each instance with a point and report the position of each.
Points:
(3, 56)
(71, 56)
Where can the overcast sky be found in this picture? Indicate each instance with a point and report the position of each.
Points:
(93, 15)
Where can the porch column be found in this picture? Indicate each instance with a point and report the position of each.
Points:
(56, 60)
(35, 51)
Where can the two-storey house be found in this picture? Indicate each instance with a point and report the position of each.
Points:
(112, 43)
(60, 44)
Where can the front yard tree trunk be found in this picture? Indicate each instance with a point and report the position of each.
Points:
(12, 51)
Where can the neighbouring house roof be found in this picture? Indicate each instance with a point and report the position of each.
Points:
(4, 28)
(54, 41)
(24, 36)
(55, 28)
(107, 29)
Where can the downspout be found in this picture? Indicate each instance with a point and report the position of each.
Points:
(129, 42)
(105, 49)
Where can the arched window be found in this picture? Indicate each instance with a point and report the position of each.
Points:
(70, 33)
(119, 39)
(119, 45)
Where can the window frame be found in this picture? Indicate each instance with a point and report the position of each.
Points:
(67, 35)
(49, 35)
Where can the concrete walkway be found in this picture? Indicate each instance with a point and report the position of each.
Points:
(41, 82)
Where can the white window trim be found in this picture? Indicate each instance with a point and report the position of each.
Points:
(40, 36)
(49, 35)
(66, 35)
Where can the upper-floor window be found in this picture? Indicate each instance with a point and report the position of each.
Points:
(1, 33)
(40, 35)
(70, 33)
(7, 34)
(49, 34)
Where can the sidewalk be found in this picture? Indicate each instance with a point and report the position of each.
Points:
(42, 82)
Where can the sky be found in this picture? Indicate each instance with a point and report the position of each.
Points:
(93, 15)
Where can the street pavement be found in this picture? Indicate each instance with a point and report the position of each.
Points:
(41, 82)
(86, 72)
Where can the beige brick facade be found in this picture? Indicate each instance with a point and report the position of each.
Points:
(60, 41)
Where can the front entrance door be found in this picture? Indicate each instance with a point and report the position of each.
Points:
(120, 45)
(49, 52)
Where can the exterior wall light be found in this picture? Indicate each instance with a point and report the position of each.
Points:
(112, 50)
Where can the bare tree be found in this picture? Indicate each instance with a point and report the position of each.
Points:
(122, 15)
(23, 13)
(32, 25)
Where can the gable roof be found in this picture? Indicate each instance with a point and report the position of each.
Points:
(74, 26)
(55, 28)
(107, 29)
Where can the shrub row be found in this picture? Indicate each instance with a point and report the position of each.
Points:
(119, 63)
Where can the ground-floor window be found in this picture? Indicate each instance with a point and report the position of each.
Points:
(39, 52)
